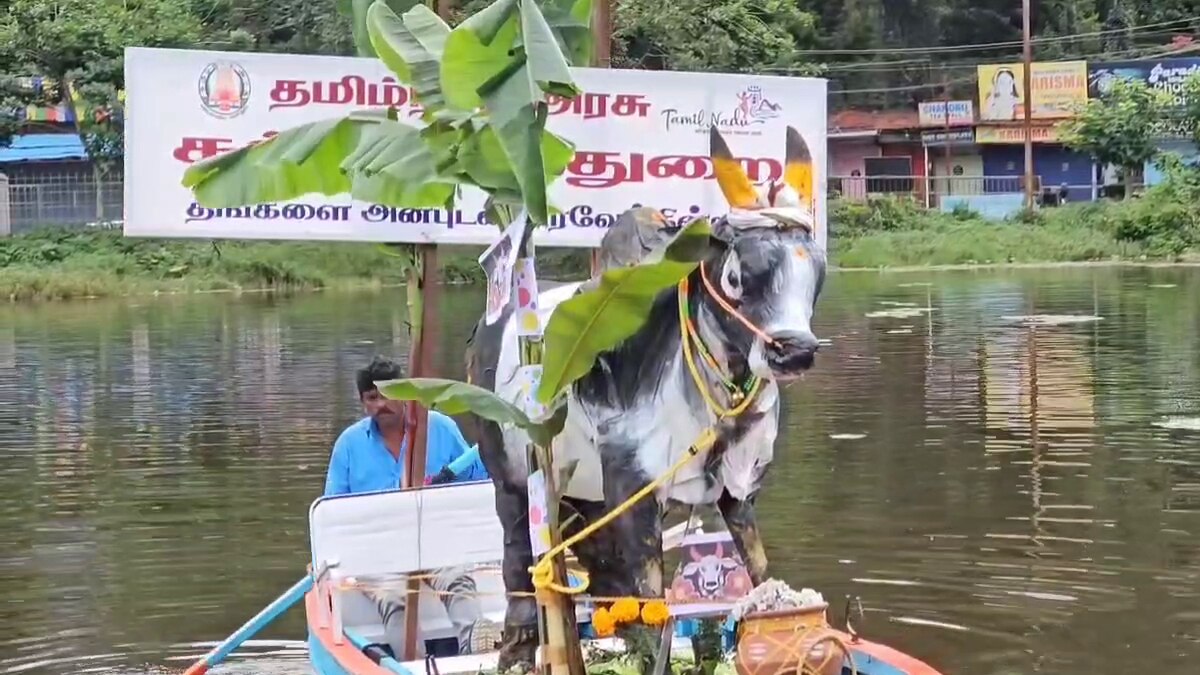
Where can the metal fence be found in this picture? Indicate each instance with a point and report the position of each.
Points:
(78, 199)
(66, 199)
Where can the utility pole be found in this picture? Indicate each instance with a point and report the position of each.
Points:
(601, 58)
(946, 129)
(1028, 105)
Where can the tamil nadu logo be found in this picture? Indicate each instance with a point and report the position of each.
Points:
(752, 105)
(224, 89)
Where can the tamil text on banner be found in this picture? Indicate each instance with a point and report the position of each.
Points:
(1058, 87)
(641, 138)
(934, 113)
(1009, 134)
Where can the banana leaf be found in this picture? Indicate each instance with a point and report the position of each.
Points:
(451, 397)
(598, 320)
(482, 87)
(372, 158)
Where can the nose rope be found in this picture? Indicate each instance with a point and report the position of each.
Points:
(730, 309)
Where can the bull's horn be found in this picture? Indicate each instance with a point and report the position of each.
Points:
(798, 170)
(731, 177)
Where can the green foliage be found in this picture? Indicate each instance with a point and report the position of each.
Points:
(1116, 128)
(878, 214)
(702, 35)
(482, 86)
(83, 42)
(455, 398)
(599, 319)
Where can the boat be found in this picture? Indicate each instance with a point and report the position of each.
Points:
(372, 535)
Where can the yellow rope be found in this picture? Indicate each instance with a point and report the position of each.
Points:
(543, 571)
(690, 360)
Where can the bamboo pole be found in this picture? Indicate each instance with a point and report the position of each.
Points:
(424, 295)
(561, 652)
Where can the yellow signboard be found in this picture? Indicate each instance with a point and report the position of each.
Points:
(1057, 88)
(1041, 133)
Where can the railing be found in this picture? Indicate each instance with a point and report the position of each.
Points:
(77, 200)
(859, 188)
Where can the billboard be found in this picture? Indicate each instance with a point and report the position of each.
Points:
(641, 137)
(933, 113)
(1167, 75)
(1057, 87)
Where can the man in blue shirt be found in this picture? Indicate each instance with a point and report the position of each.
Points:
(370, 456)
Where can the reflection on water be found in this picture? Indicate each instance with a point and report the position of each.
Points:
(1005, 497)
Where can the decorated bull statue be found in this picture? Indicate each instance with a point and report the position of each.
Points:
(711, 356)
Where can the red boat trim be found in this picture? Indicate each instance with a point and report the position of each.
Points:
(346, 654)
(897, 659)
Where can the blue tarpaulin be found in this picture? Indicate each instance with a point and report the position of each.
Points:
(42, 148)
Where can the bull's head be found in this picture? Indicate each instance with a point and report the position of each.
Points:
(768, 267)
(709, 572)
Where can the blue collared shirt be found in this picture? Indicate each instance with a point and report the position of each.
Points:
(361, 462)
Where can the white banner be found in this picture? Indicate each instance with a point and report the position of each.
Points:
(641, 138)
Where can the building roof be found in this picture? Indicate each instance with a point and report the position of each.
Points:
(873, 120)
(42, 148)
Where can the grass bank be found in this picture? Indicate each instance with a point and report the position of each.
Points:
(62, 264)
(888, 233)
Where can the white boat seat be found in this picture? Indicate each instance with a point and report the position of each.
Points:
(415, 531)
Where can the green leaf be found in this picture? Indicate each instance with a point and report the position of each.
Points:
(451, 397)
(412, 48)
(548, 68)
(598, 320)
(478, 50)
(572, 24)
(356, 11)
(374, 159)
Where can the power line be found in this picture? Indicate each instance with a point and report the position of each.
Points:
(988, 46)
(941, 84)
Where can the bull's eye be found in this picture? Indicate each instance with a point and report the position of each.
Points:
(731, 278)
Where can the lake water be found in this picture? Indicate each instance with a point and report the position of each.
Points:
(1004, 498)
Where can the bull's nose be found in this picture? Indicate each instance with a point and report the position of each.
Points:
(792, 352)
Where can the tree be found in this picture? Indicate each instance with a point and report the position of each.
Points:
(739, 36)
(1116, 128)
(81, 43)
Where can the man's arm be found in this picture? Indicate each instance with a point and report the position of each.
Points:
(447, 441)
(337, 480)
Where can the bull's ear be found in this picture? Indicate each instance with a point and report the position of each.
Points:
(731, 177)
(798, 169)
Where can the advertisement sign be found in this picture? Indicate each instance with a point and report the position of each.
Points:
(1167, 75)
(641, 138)
(1042, 133)
(933, 113)
(1057, 88)
(956, 137)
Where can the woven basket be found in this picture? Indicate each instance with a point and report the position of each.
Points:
(786, 642)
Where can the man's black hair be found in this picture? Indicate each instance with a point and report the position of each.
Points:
(379, 369)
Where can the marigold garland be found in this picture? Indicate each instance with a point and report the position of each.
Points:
(624, 610)
(603, 623)
(655, 613)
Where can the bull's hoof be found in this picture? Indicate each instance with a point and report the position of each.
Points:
(518, 650)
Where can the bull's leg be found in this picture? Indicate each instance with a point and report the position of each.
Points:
(521, 619)
(638, 531)
(743, 527)
(599, 553)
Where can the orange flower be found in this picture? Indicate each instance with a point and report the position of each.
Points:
(624, 610)
(655, 613)
(603, 622)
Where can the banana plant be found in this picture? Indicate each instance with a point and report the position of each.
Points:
(482, 87)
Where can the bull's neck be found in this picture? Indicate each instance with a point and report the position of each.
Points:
(727, 367)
